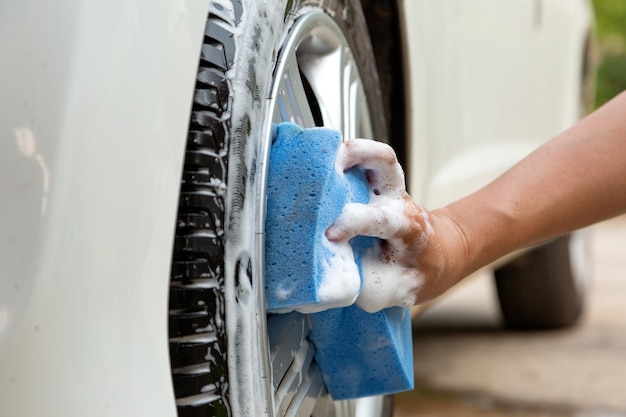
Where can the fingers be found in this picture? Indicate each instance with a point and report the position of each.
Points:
(384, 221)
(384, 173)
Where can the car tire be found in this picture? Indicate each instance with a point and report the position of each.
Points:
(258, 66)
(545, 288)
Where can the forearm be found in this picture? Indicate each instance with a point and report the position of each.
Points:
(576, 179)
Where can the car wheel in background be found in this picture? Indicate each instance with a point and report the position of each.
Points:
(545, 288)
(261, 63)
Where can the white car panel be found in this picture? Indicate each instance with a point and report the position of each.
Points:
(464, 60)
(88, 207)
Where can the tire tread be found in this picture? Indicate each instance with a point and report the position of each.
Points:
(196, 305)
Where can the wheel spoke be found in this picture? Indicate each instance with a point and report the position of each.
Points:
(351, 94)
(291, 100)
(356, 120)
(333, 76)
(324, 72)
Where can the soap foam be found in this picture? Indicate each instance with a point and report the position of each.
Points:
(340, 277)
(387, 284)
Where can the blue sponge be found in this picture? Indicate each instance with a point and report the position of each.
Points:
(362, 354)
(359, 354)
(305, 194)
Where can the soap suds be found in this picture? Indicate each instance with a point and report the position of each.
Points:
(248, 365)
(387, 284)
(340, 278)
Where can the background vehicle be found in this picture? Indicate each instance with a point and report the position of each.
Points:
(99, 237)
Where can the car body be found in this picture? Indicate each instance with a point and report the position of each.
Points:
(469, 121)
(94, 116)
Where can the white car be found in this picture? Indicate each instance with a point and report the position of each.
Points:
(126, 291)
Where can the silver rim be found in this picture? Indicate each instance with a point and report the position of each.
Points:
(330, 94)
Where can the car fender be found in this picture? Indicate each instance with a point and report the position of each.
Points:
(94, 114)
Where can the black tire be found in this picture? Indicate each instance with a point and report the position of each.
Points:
(542, 289)
(219, 344)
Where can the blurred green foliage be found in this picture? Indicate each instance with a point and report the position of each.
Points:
(611, 48)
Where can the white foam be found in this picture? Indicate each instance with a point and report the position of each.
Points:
(282, 293)
(247, 362)
(387, 284)
(340, 281)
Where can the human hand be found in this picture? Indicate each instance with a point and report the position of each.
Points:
(409, 264)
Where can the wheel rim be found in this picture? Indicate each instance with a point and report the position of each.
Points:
(316, 83)
(316, 49)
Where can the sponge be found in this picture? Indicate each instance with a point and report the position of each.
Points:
(359, 354)
(306, 192)
(362, 354)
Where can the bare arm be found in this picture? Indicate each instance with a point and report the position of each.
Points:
(576, 179)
